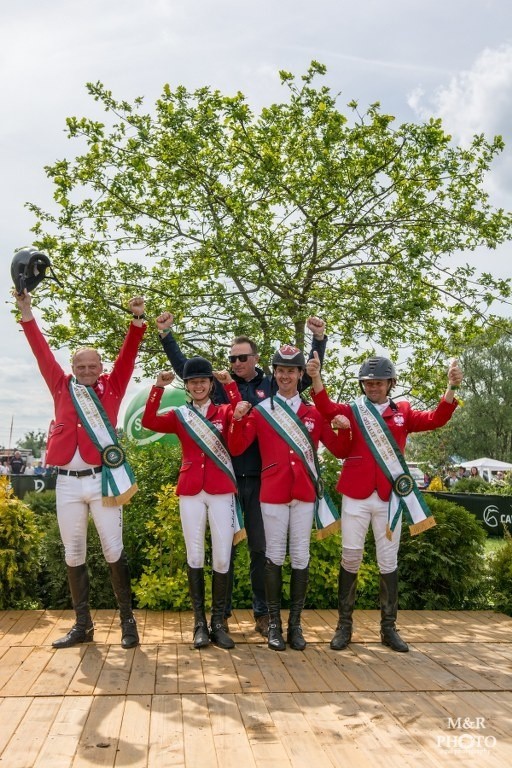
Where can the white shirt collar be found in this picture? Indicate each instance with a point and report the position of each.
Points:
(203, 409)
(292, 402)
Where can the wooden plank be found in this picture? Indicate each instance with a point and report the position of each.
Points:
(99, 740)
(362, 678)
(11, 661)
(12, 712)
(166, 675)
(41, 631)
(197, 732)
(483, 657)
(152, 631)
(458, 663)
(7, 620)
(190, 670)
(275, 674)
(333, 677)
(87, 673)
(26, 621)
(386, 665)
(58, 673)
(295, 733)
(31, 733)
(302, 671)
(249, 674)
(143, 670)
(115, 672)
(28, 672)
(132, 748)
(60, 746)
(166, 741)
(261, 731)
(219, 672)
(172, 628)
(232, 746)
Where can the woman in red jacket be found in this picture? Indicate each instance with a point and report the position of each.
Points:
(206, 485)
(288, 432)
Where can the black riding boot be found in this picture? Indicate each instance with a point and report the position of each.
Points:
(347, 583)
(389, 608)
(83, 630)
(273, 586)
(196, 589)
(218, 635)
(120, 578)
(298, 587)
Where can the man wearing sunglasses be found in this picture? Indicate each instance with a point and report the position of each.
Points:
(254, 387)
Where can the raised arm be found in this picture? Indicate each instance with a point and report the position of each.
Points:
(171, 347)
(124, 365)
(318, 345)
(151, 419)
(48, 365)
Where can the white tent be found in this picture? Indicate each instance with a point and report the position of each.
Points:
(487, 466)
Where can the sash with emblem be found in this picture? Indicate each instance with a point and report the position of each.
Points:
(405, 496)
(117, 479)
(210, 440)
(288, 426)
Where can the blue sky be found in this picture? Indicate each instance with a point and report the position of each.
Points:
(450, 59)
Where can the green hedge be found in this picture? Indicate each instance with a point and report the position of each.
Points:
(442, 568)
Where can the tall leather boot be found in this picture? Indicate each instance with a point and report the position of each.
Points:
(389, 608)
(218, 634)
(273, 586)
(83, 630)
(196, 589)
(120, 578)
(347, 583)
(298, 587)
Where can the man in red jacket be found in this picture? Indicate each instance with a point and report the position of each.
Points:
(288, 432)
(86, 406)
(376, 484)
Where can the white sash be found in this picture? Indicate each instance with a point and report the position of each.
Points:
(288, 425)
(117, 479)
(405, 495)
(212, 443)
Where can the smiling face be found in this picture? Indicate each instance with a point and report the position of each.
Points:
(376, 390)
(87, 367)
(199, 389)
(287, 378)
(245, 368)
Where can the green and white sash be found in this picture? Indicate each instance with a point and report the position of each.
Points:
(288, 426)
(405, 495)
(211, 441)
(117, 479)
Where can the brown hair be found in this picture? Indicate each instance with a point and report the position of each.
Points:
(245, 340)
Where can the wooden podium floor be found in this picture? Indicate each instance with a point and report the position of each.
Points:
(447, 702)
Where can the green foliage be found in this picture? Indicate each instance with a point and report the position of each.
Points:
(444, 567)
(472, 485)
(500, 573)
(33, 441)
(262, 219)
(42, 504)
(19, 550)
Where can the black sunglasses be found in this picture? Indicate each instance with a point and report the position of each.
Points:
(242, 358)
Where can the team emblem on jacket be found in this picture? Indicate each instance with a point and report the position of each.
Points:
(217, 425)
(260, 393)
(398, 418)
(309, 424)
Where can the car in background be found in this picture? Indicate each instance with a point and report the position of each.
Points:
(417, 474)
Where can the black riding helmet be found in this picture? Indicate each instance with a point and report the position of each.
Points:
(289, 356)
(377, 369)
(197, 368)
(28, 268)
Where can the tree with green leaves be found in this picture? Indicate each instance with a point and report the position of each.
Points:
(34, 441)
(248, 223)
(483, 426)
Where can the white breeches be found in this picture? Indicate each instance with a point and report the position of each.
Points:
(356, 516)
(219, 510)
(288, 522)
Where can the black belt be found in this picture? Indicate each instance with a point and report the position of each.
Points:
(79, 472)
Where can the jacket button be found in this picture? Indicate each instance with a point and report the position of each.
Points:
(292, 463)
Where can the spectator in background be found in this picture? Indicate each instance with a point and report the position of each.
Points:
(17, 464)
(450, 479)
(39, 469)
(4, 467)
(29, 470)
(461, 473)
(473, 472)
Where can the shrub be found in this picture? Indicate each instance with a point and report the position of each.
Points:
(472, 485)
(444, 567)
(500, 573)
(19, 551)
